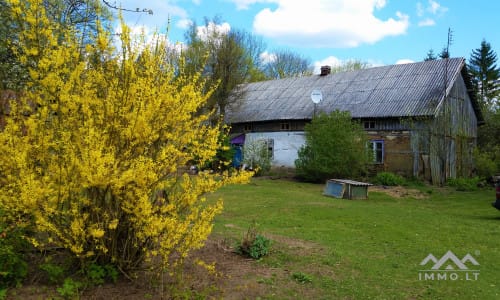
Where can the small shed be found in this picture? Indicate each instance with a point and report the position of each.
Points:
(347, 189)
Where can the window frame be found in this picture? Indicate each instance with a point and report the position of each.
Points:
(369, 125)
(285, 126)
(374, 148)
(248, 127)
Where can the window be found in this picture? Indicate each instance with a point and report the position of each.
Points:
(377, 147)
(248, 127)
(269, 145)
(369, 124)
(285, 126)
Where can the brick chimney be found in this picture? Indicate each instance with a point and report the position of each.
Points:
(325, 70)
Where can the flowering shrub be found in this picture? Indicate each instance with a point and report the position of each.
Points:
(91, 152)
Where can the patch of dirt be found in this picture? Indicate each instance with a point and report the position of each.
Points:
(399, 192)
(296, 246)
(300, 247)
(235, 277)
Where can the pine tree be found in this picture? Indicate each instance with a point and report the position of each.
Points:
(430, 55)
(485, 74)
(445, 53)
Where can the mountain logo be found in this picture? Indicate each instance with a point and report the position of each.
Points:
(449, 261)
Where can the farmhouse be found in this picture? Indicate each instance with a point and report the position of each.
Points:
(421, 118)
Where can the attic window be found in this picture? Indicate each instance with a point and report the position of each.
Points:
(285, 126)
(369, 124)
(248, 127)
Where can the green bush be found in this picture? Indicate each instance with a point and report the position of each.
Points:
(464, 184)
(3, 293)
(487, 163)
(389, 179)
(13, 267)
(335, 147)
(70, 289)
(254, 245)
(54, 272)
(258, 155)
(97, 274)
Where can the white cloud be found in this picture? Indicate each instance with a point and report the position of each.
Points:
(420, 9)
(331, 61)
(436, 8)
(266, 57)
(162, 11)
(184, 23)
(212, 29)
(142, 37)
(327, 23)
(426, 22)
(432, 7)
(404, 61)
(430, 10)
(244, 4)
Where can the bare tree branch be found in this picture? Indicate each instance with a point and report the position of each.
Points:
(139, 10)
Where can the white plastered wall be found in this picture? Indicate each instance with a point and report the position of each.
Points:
(285, 145)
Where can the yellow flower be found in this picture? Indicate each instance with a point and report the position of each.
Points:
(113, 224)
(106, 145)
(97, 233)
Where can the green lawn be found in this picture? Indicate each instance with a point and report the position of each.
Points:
(366, 249)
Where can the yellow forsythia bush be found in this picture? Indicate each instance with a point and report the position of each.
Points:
(91, 152)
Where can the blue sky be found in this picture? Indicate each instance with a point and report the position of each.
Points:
(380, 32)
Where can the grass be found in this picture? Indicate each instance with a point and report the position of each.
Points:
(366, 249)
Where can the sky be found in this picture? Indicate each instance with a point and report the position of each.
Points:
(329, 32)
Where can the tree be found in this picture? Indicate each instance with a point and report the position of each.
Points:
(487, 156)
(336, 147)
(430, 55)
(227, 59)
(257, 155)
(286, 63)
(445, 53)
(93, 148)
(11, 72)
(79, 15)
(350, 65)
(485, 75)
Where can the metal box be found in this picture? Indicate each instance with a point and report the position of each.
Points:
(347, 189)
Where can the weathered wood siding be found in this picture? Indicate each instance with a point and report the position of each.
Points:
(398, 155)
(453, 136)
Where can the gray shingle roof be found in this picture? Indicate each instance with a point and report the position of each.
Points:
(389, 91)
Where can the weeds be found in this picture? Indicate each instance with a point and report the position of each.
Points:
(253, 244)
(464, 184)
(55, 273)
(302, 277)
(70, 289)
(97, 274)
(13, 267)
(389, 179)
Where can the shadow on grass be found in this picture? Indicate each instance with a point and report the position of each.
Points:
(483, 217)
